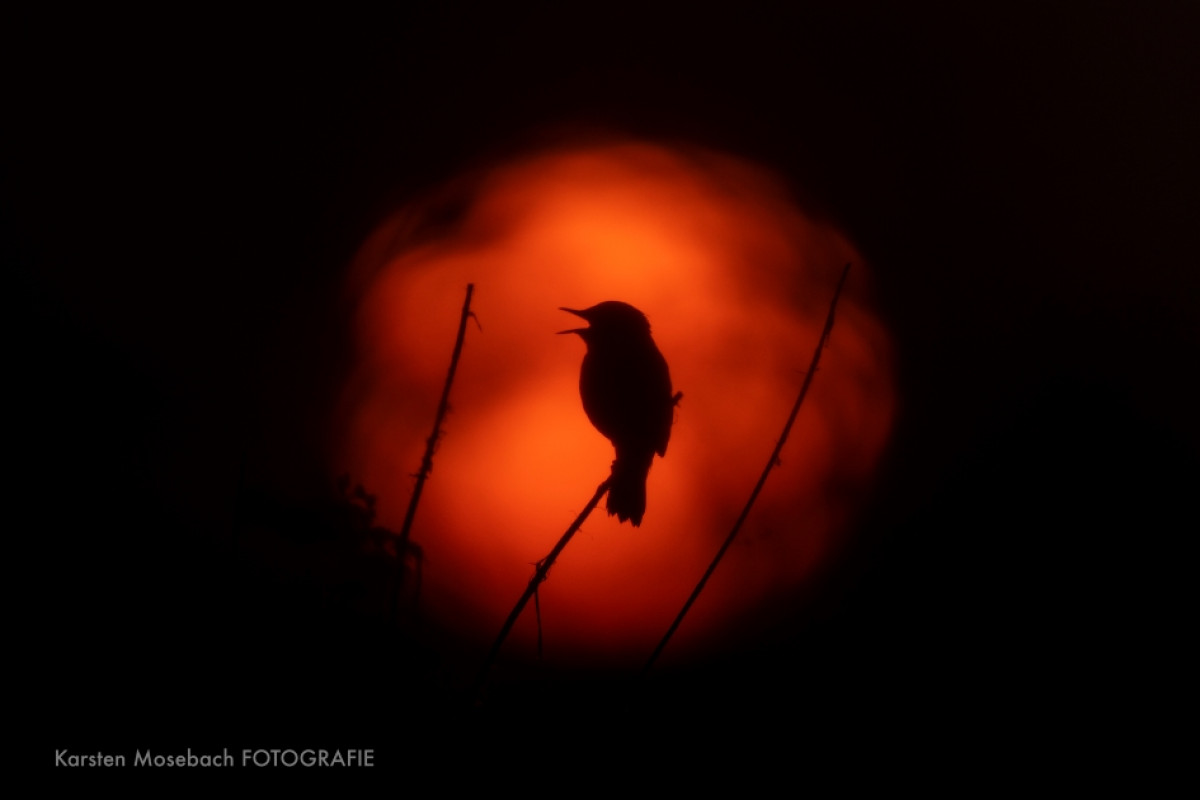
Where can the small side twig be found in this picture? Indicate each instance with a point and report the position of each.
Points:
(539, 575)
(771, 462)
(431, 444)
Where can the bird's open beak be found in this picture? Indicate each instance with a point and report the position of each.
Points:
(576, 313)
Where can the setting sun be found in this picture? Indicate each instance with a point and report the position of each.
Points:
(735, 280)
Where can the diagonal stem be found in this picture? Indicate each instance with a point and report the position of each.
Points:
(771, 462)
(539, 575)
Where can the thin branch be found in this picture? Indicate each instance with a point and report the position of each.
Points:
(539, 575)
(771, 462)
(431, 443)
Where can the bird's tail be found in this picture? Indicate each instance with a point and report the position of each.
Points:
(627, 492)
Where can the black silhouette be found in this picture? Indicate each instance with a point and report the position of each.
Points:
(626, 391)
(771, 464)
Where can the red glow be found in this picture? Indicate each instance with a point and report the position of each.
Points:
(735, 280)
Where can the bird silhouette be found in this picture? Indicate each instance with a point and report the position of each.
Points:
(626, 390)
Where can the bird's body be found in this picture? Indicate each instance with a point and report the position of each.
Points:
(626, 390)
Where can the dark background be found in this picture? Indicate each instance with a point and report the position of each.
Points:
(182, 192)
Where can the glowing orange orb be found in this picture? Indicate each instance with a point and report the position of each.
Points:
(735, 280)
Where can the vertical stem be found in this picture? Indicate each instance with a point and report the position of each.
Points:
(431, 444)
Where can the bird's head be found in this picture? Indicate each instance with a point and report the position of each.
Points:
(611, 319)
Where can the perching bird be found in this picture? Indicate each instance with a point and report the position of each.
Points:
(626, 391)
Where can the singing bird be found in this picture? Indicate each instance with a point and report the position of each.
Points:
(626, 390)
